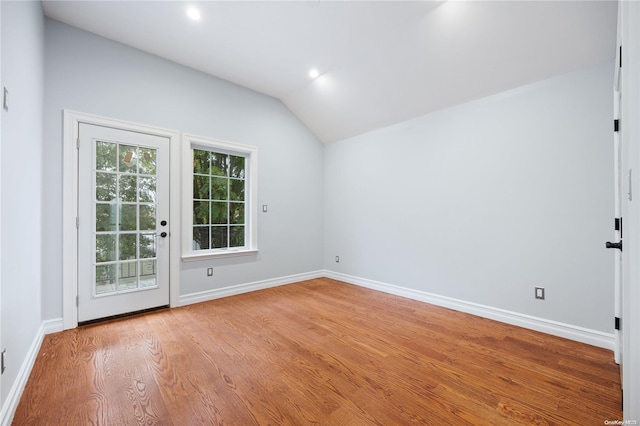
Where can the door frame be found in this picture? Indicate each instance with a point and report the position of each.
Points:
(70, 170)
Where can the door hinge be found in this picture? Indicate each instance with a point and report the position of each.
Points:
(616, 125)
(77, 300)
(78, 143)
(617, 323)
(77, 222)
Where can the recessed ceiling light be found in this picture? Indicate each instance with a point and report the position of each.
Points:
(314, 73)
(193, 13)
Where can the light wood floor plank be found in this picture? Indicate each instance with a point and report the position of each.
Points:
(316, 352)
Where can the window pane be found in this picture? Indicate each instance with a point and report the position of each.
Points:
(219, 194)
(236, 236)
(201, 162)
(147, 246)
(147, 218)
(106, 155)
(237, 167)
(219, 188)
(200, 212)
(105, 186)
(219, 164)
(128, 217)
(105, 248)
(236, 190)
(128, 246)
(127, 276)
(236, 213)
(201, 238)
(105, 217)
(148, 273)
(128, 159)
(201, 187)
(219, 237)
(105, 279)
(147, 161)
(147, 189)
(219, 213)
(128, 188)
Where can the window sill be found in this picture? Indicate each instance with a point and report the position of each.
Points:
(192, 257)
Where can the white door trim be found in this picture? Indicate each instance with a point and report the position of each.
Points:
(72, 119)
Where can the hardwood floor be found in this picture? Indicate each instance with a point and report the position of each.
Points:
(317, 352)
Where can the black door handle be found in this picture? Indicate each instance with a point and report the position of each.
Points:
(614, 245)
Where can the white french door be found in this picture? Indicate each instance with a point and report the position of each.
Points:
(123, 221)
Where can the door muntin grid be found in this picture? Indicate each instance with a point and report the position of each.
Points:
(125, 211)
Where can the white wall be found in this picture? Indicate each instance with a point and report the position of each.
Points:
(94, 75)
(484, 201)
(22, 74)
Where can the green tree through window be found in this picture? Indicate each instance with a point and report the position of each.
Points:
(219, 182)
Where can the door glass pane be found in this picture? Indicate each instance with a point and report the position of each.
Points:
(105, 248)
(147, 246)
(128, 159)
(147, 190)
(147, 161)
(105, 279)
(105, 186)
(125, 217)
(128, 249)
(148, 273)
(127, 276)
(128, 217)
(106, 156)
(147, 217)
(105, 217)
(128, 188)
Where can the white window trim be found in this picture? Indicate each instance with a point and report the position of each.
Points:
(251, 197)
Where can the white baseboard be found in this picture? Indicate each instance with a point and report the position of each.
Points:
(568, 331)
(217, 293)
(13, 398)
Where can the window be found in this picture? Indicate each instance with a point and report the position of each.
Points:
(219, 198)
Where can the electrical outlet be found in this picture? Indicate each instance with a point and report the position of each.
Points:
(540, 293)
(337, 259)
(209, 272)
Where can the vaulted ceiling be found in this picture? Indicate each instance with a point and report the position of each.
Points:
(380, 62)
